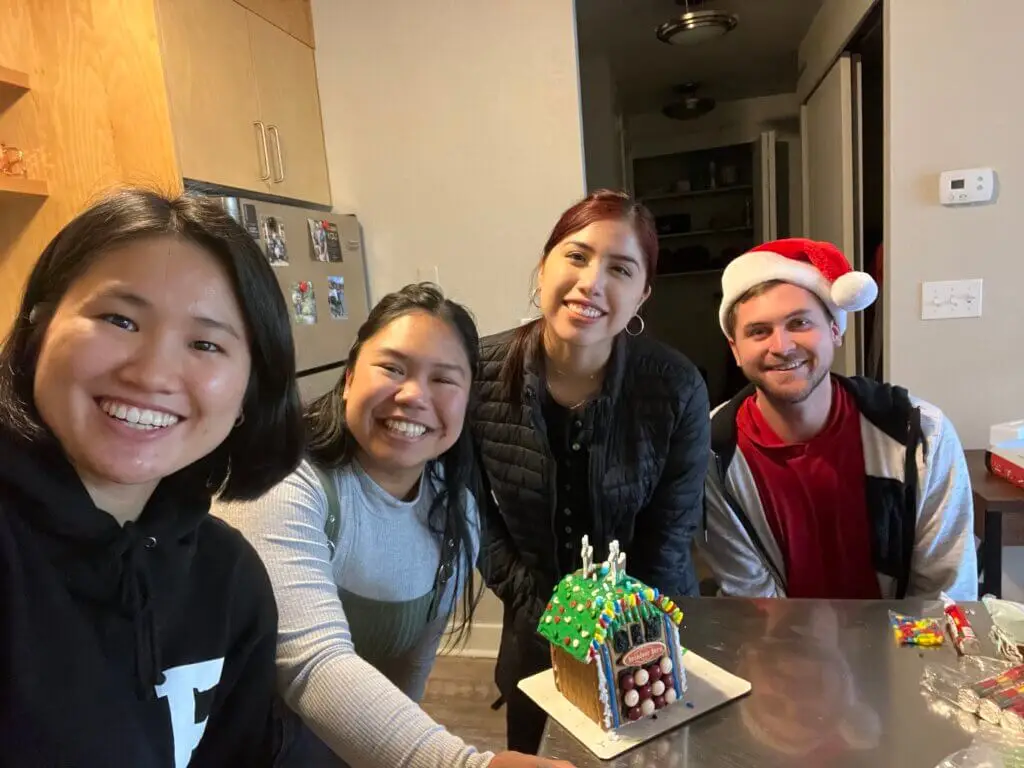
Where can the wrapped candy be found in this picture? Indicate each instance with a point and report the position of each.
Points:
(960, 630)
(909, 630)
(971, 696)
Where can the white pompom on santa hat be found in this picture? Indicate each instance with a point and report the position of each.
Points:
(819, 267)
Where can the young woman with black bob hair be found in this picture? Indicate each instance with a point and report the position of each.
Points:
(372, 540)
(150, 366)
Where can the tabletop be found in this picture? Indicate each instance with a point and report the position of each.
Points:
(830, 688)
(994, 490)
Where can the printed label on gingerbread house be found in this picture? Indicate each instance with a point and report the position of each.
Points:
(644, 654)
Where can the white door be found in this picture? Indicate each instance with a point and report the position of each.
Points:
(766, 189)
(828, 122)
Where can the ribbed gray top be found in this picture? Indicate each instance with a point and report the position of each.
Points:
(385, 553)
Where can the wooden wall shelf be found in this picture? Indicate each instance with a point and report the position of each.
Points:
(18, 185)
(12, 78)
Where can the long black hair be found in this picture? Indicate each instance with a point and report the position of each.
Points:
(330, 443)
(241, 467)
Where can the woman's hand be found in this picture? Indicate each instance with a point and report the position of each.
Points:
(519, 760)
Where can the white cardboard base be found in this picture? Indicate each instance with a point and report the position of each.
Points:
(708, 687)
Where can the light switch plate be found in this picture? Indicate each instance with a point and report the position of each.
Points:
(948, 299)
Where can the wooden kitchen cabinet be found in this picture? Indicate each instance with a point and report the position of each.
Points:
(293, 16)
(211, 87)
(290, 107)
(245, 109)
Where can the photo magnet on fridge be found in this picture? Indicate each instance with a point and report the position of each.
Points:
(273, 234)
(251, 221)
(336, 298)
(326, 241)
(303, 302)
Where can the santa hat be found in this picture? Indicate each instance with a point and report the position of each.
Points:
(819, 267)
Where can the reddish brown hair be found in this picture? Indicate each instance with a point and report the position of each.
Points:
(603, 205)
(606, 205)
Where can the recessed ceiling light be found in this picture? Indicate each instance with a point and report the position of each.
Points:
(696, 26)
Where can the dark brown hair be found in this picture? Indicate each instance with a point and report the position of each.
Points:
(603, 205)
(241, 467)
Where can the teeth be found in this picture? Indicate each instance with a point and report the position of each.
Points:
(407, 428)
(138, 418)
(583, 310)
(789, 366)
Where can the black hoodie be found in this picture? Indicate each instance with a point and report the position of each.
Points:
(127, 645)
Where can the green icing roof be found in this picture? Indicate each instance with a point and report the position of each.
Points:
(584, 611)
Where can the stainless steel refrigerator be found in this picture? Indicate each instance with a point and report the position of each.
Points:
(319, 262)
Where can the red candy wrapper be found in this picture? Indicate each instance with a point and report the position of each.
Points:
(960, 630)
(971, 696)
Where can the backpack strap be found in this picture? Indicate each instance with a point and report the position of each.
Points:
(332, 525)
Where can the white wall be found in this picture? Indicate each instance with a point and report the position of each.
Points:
(601, 137)
(453, 132)
(947, 112)
(730, 122)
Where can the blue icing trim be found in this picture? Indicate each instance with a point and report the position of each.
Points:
(674, 651)
(609, 674)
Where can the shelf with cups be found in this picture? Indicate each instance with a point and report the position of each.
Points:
(23, 187)
(13, 180)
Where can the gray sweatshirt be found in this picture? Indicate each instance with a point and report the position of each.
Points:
(385, 553)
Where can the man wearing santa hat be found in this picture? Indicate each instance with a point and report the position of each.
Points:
(822, 485)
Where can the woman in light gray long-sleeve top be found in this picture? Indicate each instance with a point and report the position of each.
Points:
(372, 540)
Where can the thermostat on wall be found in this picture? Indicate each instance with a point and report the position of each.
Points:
(973, 185)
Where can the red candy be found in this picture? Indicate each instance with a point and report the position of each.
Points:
(626, 681)
(634, 713)
(668, 681)
(659, 702)
(654, 671)
(644, 691)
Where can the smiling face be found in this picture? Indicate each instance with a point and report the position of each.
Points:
(144, 365)
(785, 341)
(406, 397)
(592, 282)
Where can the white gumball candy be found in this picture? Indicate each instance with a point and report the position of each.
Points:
(666, 665)
(670, 695)
(631, 698)
(647, 707)
(641, 677)
(657, 688)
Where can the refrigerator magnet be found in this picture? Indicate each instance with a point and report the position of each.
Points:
(273, 234)
(303, 302)
(325, 238)
(251, 221)
(336, 298)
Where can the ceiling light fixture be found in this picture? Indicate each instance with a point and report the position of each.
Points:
(691, 106)
(696, 25)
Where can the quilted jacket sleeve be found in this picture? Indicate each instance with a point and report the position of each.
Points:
(499, 562)
(660, 554)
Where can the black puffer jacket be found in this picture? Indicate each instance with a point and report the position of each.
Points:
(649, 443)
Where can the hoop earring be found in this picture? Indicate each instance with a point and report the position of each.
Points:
(535, 297)
(642, 325)
(240, 420)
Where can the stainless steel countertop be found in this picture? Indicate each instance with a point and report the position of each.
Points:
(830, 688)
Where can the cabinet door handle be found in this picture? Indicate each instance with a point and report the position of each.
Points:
(264, 176)
(276, 136)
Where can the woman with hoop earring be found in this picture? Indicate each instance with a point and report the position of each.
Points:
(585, 427)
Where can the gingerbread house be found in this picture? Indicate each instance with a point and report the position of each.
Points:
(614, 642)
